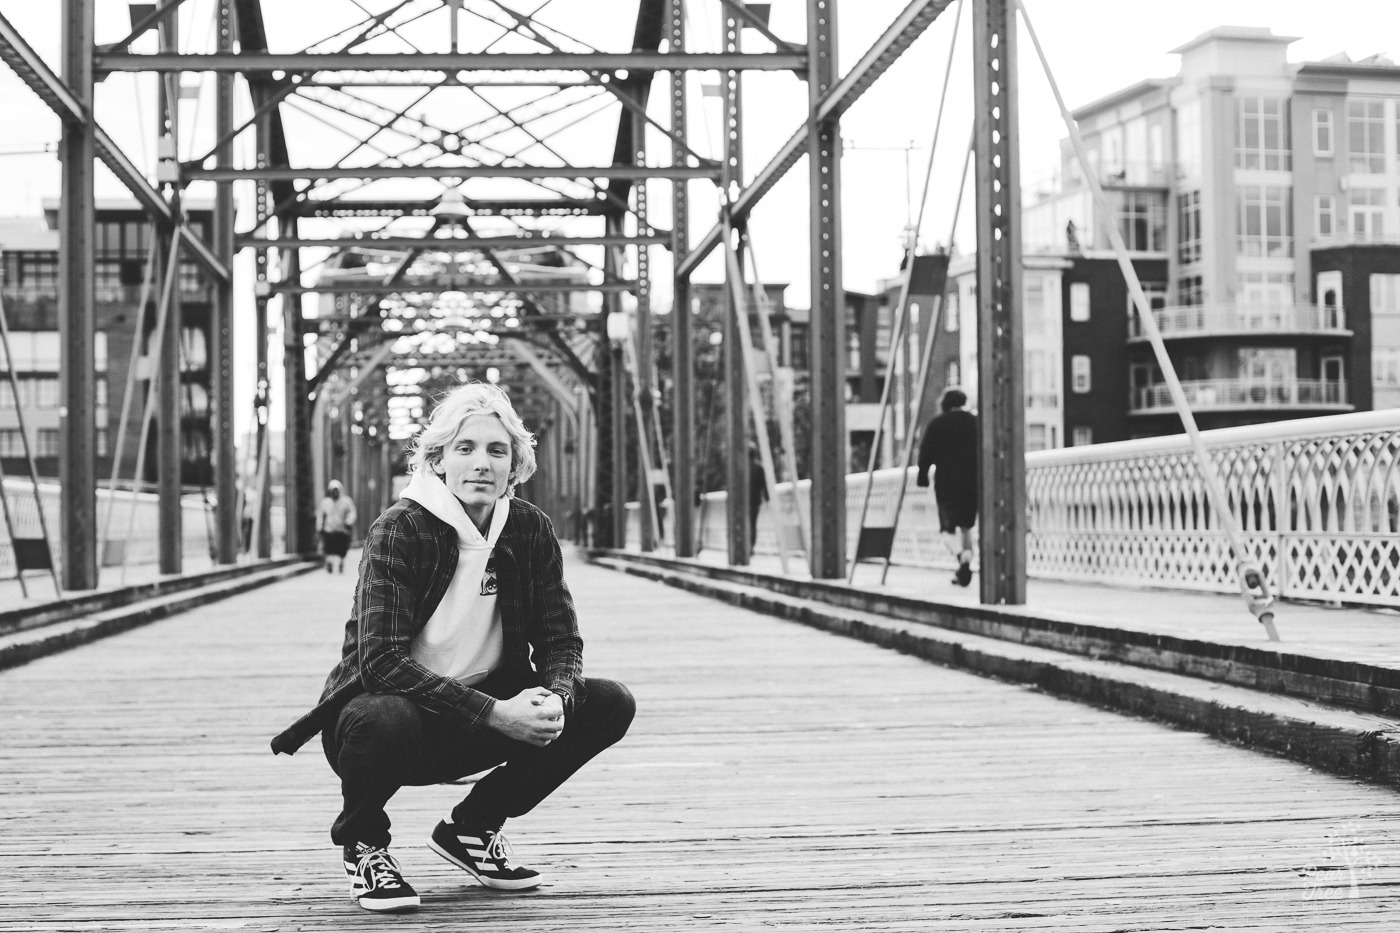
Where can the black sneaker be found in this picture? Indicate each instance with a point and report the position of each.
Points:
(964, 574)
(375, 880)
(484, 854)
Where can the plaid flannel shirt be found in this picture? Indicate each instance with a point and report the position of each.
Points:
(408, 562)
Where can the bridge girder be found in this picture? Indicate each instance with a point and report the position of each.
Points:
(512, 144)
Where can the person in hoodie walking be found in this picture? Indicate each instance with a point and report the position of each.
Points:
(462, 654)
(335, 517)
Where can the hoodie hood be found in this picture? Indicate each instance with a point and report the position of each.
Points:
(429, 491)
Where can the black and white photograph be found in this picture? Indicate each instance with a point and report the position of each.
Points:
(896, 466)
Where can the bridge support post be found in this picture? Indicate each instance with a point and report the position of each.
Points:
(616, 376)
(1001, 400)
(738, 534)
(645, 405)
(299, 490)
(682, 336)
(828, 433)
(170, 429)
(77, 466)
(221, 350)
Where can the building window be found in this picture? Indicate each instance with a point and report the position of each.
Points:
(1385, 293)
(1367, 210)
(1080, 381)
(1325, 216)
(1263, 135)
(46, 443)
(1366, 136)
(1156, 295)
(1266, 299)
(1079, 301)
(1190, 291)
(1037, 437)
(1189, 148)
(1271, 365)
(1042, 379)
(950, 315)
(1265, 227)
(954, 377)
(1385, 367)
(30, 276)
(1322, 132)
(1188, 246)
(1142, 221)
(1081, 436)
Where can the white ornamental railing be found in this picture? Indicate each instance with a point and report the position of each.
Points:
(1213, 319)
(1245, 392)
(1318, 500)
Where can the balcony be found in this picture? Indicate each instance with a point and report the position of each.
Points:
(1321, 395)
(1126, 175)
(1228, 320)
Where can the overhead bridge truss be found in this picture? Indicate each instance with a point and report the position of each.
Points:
(467, 189)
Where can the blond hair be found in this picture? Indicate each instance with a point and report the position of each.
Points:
(474, 398)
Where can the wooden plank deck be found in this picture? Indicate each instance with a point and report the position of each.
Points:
(775, 778)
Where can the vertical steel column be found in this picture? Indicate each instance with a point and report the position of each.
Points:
(77, 467)
(737, 535)
(644, 386)
(828, 503)
(1001, 400)
(617, 391)
(169, 427)
(262, 398)
(221, 348)
(682, 337)
(299, 490)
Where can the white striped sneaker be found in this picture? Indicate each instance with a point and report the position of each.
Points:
(375, 880)
(485, 855)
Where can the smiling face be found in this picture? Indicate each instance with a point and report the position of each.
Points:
(475, 465)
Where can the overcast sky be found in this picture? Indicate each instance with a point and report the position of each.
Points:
(1094, 46)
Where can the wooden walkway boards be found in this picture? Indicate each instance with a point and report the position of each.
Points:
(776, 778)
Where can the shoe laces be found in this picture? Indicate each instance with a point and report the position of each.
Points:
(500, 849)
(382, 869)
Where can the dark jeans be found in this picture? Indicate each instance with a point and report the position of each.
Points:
(384, 742)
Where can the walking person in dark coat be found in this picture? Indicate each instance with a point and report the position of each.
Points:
(758, 492)
(951, 446)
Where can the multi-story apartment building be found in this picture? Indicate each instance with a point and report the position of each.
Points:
(29, 290)
(1260, 202)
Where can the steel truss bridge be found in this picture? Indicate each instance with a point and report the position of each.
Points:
(493, 169)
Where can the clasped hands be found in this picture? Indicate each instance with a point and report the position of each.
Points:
(534, 715)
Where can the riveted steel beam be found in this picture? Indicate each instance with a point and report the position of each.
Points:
(526, 172)
(408, 63)
(682, 338)
(1001, 400)
(446, 285)
(453, 244)
(828, 322)
(222, 329)
(76, 311)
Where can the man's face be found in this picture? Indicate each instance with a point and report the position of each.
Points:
(476, 465)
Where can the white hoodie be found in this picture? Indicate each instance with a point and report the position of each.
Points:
(462, 639)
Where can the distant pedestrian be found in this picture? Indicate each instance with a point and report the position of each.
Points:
(462, 654)
(758, 492)
(335, 519)
(951, 446)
